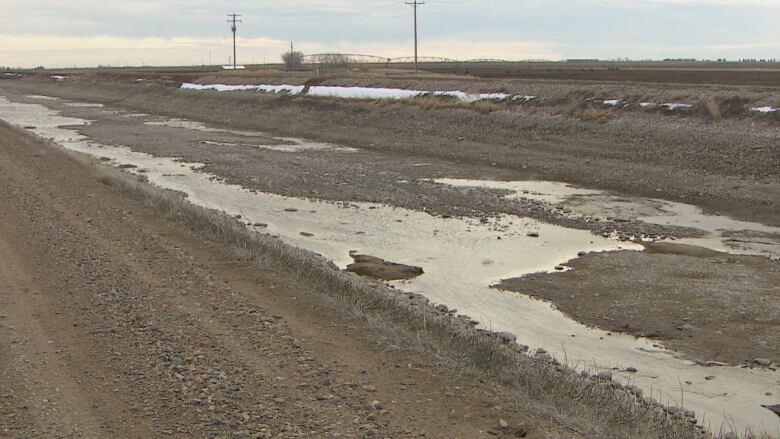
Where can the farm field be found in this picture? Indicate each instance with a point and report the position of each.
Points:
(623, 224)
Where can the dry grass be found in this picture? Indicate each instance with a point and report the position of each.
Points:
(430, 102)
(544, 387)
(712, 107)
(587, 112)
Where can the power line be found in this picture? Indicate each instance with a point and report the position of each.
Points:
(414, 4)
(233, 20)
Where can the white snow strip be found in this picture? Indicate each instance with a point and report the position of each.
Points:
(233, 68)
(58, 77)
(524, 98)
(363, 92)
(468, 97)
(676, 106)
(765, 110)
(291, 89)
(648, 104)
(353, 92)
(612, 102)
(83, 105)
(45, 98)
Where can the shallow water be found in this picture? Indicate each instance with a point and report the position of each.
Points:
(83, 105)
(461, 258)
(286, 144)
(722, 233)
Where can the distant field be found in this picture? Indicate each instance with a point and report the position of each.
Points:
(704, 73)
(758, 74)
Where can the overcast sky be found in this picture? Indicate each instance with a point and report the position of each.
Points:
(178, 32)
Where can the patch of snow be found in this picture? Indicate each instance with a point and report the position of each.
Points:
(612, 102)
(59, 77)
(83, 105)
(765, 110)
(469, 97)
(353, 92)
(363, 92)
(233, 68)
(44, 98)
(676, 106)
(291, 89)
(524, 98)
(648, 104)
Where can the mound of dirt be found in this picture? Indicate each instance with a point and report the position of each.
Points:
(370, 266)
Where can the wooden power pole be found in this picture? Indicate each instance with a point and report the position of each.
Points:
(233, 20)
(414, 4)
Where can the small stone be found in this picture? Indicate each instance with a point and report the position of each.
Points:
(376, 405)
(503, 424)
(533, 234)
(631, 369)
(764, 362)
(686, 327)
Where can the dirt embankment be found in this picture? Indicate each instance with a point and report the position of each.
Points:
(707, 305)
(114, 323)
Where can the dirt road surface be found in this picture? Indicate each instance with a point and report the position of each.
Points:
(114, 323)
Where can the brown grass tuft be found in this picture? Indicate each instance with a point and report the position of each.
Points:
(713, 108)
(592, 114)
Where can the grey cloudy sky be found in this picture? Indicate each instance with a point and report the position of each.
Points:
(175, 32)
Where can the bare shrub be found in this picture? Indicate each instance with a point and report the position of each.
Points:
(734, 106)
(292, 60)
(334, 60)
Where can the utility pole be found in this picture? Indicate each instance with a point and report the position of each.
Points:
(414, 4)
(233, 20)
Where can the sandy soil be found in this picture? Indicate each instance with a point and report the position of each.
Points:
(710, 306)
(115, 323)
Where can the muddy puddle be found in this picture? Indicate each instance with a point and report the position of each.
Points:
(721, 232)
(462, 258)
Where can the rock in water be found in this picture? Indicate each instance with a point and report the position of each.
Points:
(370, 266)
(773, 408)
